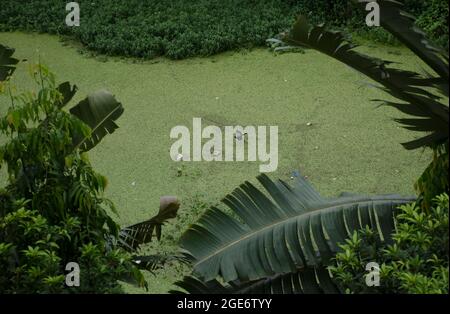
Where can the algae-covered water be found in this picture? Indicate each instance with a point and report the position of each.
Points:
(329, 130)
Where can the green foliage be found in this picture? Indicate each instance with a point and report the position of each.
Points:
(101, 268)
(31, 259)
(434, 20)
(422, 96)
(428, 109)
(432, 17)
(146, 29)
(52, 210)
(289, 236)
(27, 236)
(285, 245)
(179, 29)
(99, 111)
(434, 180)
(416, 261)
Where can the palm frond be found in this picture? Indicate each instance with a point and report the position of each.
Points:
(410, 87)
(294, 229)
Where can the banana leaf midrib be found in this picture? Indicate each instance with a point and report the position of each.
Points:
(310, 211)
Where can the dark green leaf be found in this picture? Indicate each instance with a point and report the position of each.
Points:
(296, 229)
(7, 62)
(99, 111)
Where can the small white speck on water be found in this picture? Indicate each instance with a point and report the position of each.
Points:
(334, 179)
(316, 147)
(217, 98)
(238, 135)
(133, 183)
(309, 123)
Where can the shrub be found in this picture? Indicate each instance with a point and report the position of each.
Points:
(180, 29)
(52, 210)
(432, 17)
(31, 256)
(416, 261)
(434, 180)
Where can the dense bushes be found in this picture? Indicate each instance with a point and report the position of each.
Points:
(180, 29)
(33, 253)
(434, 20)
(52, 209)
(174, 28)
(416, 262)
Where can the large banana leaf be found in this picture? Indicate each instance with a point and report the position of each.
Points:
(99, 111)
(7, 62)
(295, 229)
(430, 115)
